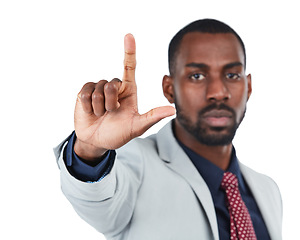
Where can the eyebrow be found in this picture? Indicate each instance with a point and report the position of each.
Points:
(234, 64)
(203, 65)
(197, 65)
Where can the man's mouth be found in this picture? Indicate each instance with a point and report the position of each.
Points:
(218, 118)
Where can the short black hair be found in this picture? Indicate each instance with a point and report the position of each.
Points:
(203, 26)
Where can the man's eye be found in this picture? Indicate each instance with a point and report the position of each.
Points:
(197, 76)
(233, 76)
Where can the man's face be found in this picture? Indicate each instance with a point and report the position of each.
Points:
(209, 87)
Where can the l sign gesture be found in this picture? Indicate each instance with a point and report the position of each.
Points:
(106, 113)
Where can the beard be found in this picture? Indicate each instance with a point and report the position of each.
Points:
(208, 135)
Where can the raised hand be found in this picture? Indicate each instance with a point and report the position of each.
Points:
(106, 113)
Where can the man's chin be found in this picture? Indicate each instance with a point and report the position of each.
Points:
(215, 137)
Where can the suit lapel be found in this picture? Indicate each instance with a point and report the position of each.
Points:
(178, 161)
(265, 199)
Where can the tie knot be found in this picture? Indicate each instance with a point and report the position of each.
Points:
(229, 181)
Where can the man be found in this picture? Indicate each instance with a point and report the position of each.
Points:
(180, 183)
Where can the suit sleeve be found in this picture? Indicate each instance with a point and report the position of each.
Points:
(106, 205)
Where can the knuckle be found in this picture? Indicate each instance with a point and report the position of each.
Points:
(117, 80)
(97, 96)
(88, 85)
(129, 64)
(86, 91)
(111, 87)
(102, 82)
(85, 96)
(129, 68)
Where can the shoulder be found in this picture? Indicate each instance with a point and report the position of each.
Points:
(254, 176)
(268, 198)
(262, 184)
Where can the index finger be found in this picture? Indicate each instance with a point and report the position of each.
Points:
(129, 59)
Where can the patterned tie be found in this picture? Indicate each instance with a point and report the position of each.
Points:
(241, 227)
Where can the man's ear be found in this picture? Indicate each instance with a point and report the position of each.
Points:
(249, 82)
(168, 88)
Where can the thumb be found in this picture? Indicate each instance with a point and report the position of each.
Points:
(148, 119)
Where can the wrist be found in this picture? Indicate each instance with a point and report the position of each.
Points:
(88, 152)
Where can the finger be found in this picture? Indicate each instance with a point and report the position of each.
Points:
(129, 59)
(98, 99)
(148, 119)
(111, 93)
(85, 97)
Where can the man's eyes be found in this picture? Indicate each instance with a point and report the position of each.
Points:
(200, 76)
(197, 76)
(233, 76)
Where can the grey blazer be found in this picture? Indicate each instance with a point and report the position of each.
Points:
(154, 192)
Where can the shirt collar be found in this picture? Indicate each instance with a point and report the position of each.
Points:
(211, 173)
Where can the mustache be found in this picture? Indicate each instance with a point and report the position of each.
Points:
(216, 106)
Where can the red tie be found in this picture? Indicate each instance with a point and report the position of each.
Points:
(241, 227)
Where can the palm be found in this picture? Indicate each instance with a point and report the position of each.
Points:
(111, 130)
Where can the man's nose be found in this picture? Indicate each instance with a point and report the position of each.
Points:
(217, 90)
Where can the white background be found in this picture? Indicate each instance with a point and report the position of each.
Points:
(49, 49)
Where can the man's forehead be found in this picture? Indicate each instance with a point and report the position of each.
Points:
(209, 39)
(206, 45)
